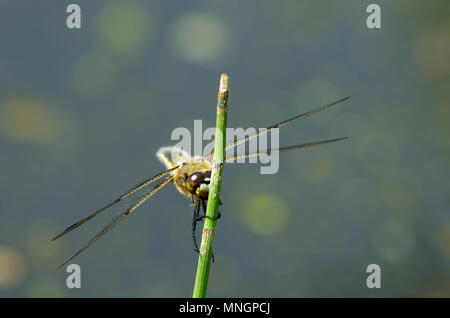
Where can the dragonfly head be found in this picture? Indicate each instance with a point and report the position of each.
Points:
(198, 183)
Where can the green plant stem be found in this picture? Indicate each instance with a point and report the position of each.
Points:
(212, 211)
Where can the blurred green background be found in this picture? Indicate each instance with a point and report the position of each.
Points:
(82, 113)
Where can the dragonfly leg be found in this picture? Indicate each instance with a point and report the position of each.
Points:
(205, 216)
(194, 225)
(219, 215)
(195, 218)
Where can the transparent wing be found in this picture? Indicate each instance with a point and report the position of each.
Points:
(133, 190)
(269, 151)
(120, 217)
(281, 124)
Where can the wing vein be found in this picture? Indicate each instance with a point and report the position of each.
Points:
(280, 124)
(305, 145)
(122, 197)
(119, 219)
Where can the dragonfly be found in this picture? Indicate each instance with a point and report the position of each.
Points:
(191, 177)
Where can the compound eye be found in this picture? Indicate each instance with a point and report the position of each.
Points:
(196, 178)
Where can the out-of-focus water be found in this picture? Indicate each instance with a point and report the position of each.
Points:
(83, 112)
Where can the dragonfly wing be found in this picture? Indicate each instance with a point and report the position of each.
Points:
(120, 217)
(280, 124)
(269, 151)
(133, 190)
(172, 156)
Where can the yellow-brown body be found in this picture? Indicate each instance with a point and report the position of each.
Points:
(172, 157)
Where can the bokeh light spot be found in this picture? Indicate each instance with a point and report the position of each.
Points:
(30, 120)
(265, 213)
(124, 26)
(200, 38)
(13, 267)
(432, 51)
